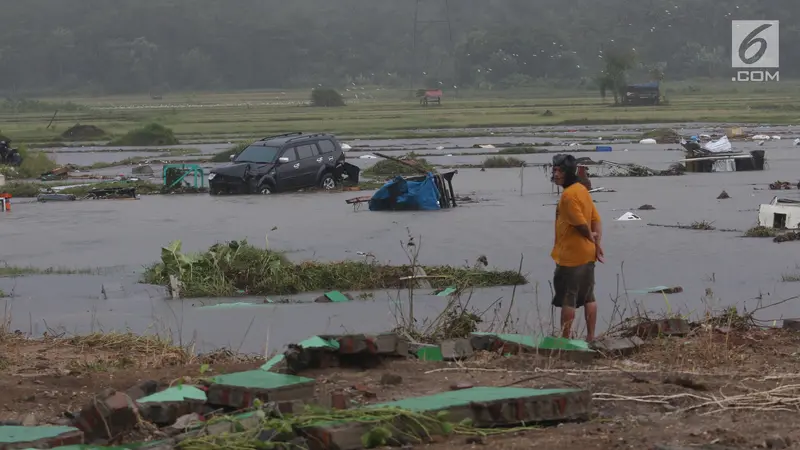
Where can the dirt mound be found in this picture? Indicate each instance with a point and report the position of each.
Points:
(151, 134)
(83, 132)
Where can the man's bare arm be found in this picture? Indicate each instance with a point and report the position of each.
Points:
(585, 232)
(597, 229)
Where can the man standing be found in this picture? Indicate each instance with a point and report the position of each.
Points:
(577, 247)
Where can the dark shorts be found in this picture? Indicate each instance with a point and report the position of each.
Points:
(573, 286)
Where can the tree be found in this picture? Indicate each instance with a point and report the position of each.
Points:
(614, 76)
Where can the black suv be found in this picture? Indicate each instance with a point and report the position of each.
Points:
(283, 163)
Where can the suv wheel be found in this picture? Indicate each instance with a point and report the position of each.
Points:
(327, 182)
(265, 189)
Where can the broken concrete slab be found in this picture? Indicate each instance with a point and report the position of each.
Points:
(20, 437)
(484, 406)
(165, 407)
(454, 349)
(662, 327)
(112, 412)
(502, 406)
(378, 344)
(549, 346)
(617, 346)
(334, 297)
(276, 364)
(240, 390)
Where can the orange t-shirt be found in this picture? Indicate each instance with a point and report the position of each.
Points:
(574, 208)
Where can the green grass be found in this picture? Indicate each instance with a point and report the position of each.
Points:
(759, 231)
(33, 165)
(240, 268)
(395, 113)
(22, 189)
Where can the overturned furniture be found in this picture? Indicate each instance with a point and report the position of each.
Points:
(780, 213)
(719, 156)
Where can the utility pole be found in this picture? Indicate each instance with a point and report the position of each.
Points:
(419, 27)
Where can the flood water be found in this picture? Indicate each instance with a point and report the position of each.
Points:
(505, 224)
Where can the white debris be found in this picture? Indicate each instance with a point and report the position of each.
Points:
(647, 141)
(346, 147)
(797, 141)
(776, 138)
(486, 146)
(367, 157)
(628, 216)
(440, 148)
(761, 137)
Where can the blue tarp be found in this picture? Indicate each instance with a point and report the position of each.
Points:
(403, 194)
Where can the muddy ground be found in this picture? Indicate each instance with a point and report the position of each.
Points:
(710, 388)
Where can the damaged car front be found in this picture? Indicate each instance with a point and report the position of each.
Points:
(250, 172)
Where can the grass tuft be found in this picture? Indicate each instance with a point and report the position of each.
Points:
(759, 231)
(387, 167)
(495, 162)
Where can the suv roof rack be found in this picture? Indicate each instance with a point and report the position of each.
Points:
(281, 135)
(307, 136)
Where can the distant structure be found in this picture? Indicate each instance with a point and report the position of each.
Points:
(645, 94)
(419, 26)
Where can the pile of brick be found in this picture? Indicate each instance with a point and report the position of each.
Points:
(278, 388)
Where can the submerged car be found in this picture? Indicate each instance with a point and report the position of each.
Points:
(286, 162)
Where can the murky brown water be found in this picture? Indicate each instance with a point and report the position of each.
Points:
(124, 235)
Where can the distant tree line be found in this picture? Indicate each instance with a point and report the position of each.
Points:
(122, 46)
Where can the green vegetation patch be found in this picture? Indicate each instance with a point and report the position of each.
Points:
(493, 162)
(237, 267)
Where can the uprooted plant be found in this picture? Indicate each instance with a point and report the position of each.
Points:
(382, 426)
(237, 267)
(458, 319)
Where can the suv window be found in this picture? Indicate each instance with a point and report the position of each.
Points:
(306, 151)
(326, 146)
(258, 154)
(289, 153)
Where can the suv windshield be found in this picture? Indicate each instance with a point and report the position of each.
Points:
(258, 154)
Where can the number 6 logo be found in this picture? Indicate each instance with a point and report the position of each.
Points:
(751, 40)
(759, 40)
